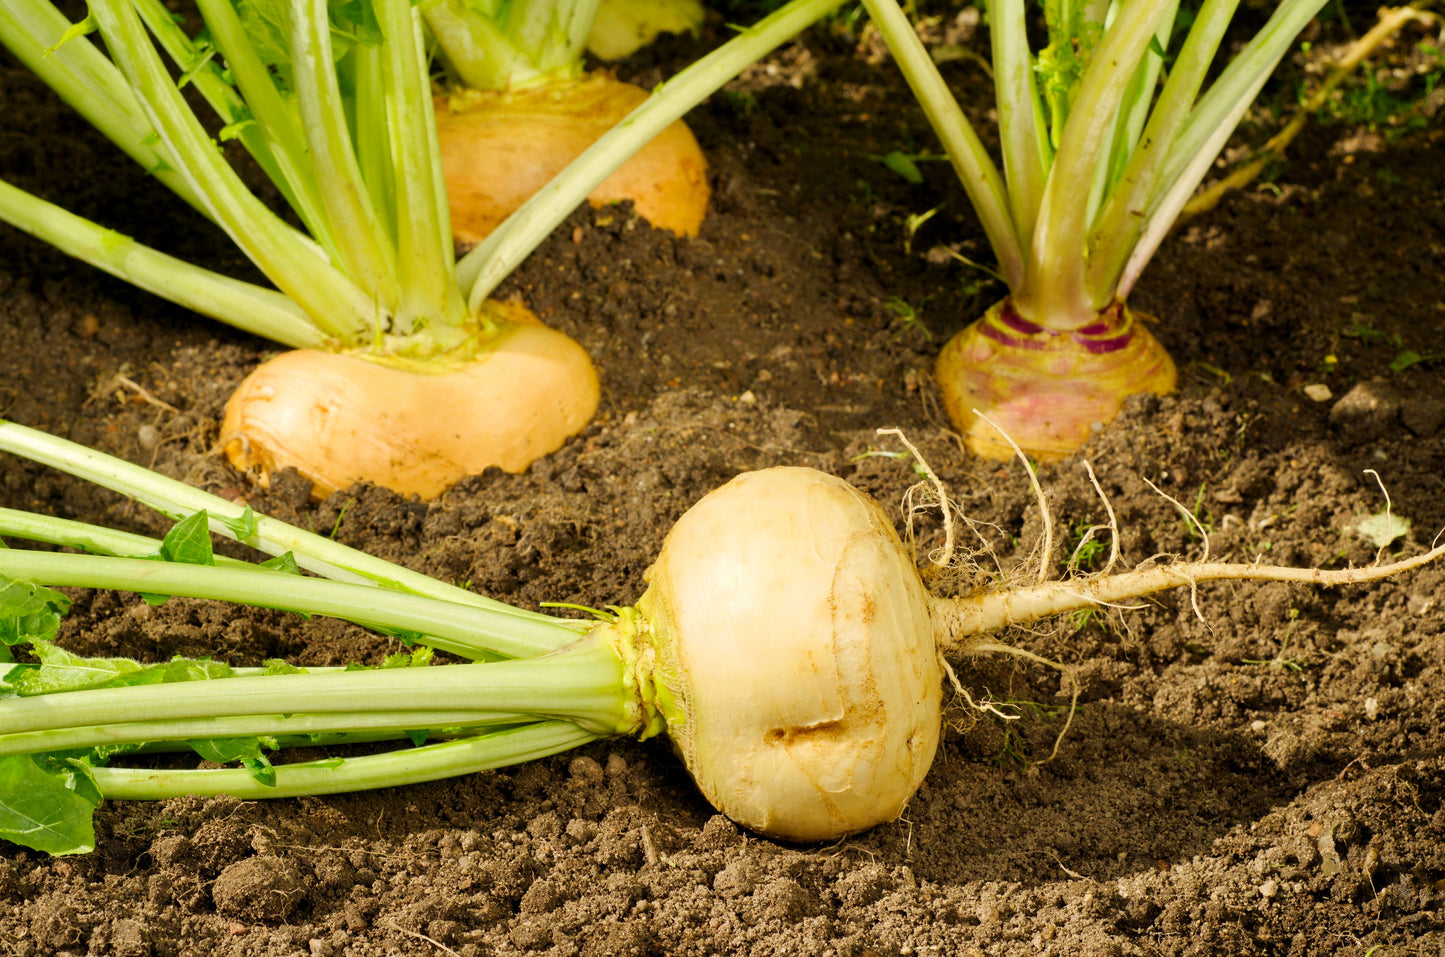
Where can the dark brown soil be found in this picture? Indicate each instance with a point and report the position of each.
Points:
(1268, 778)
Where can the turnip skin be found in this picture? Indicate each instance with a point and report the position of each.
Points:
(1049, 392)
(795, 655)
(500, 147)
(415, 427)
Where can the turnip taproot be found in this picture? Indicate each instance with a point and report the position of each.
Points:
(785, 643)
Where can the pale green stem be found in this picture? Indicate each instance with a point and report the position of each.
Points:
(461, 629)
(1120, 223)
(94, 539)
(315, 553)
(582, 684)
(1210, 124)
(292, 261)
(1023, 134)
(372, 724)
(361, 242)
(1053, 293)
(373, 137)
(503, 46)
(335, 776)
(431, 301)
(90, 83)
(980, 178)
(493, 260)
(265, 144)
(1133, 113)
(274, 117)
(263, 312)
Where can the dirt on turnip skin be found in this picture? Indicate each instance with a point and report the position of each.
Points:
(1208, 803)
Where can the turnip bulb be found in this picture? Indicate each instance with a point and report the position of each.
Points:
(797, 658)
(796, 575)
(1048, 389)
(415, 427)
(498, 147)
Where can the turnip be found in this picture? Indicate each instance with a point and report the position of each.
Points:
(785, 643)
(334, 104)
(1098, 158)
(499, 146)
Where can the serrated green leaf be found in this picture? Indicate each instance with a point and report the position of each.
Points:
(244, 527)
(47, 805)
(226, 750)
(189, 541)
(284, 562)
(29, 612)
(194, 669)
(418, 658)
(275, 666)
(60, 670)
(261, 770)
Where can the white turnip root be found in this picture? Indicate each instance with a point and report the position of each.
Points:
(799, 658)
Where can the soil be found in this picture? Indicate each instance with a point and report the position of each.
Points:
(1264, 774)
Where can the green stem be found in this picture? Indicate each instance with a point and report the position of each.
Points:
(274, 117)
(431, 301)
(360, 241)
(1210, 124)
(1121, 221)
(314, 553)
(582, 684)
(481, 270)
(95, 539)
(1053, 294)
(267, 132)
(363, 64)
(460, 629)
(373, 724)
(289, 259)
(1023, 133)
(408, 766)
(255, 309)
(1133, 114)
(90, 83)
(977, 172)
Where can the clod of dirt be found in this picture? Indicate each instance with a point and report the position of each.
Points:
(128, 938)
(259, 889)
(1368, 411)
(1423, 416)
